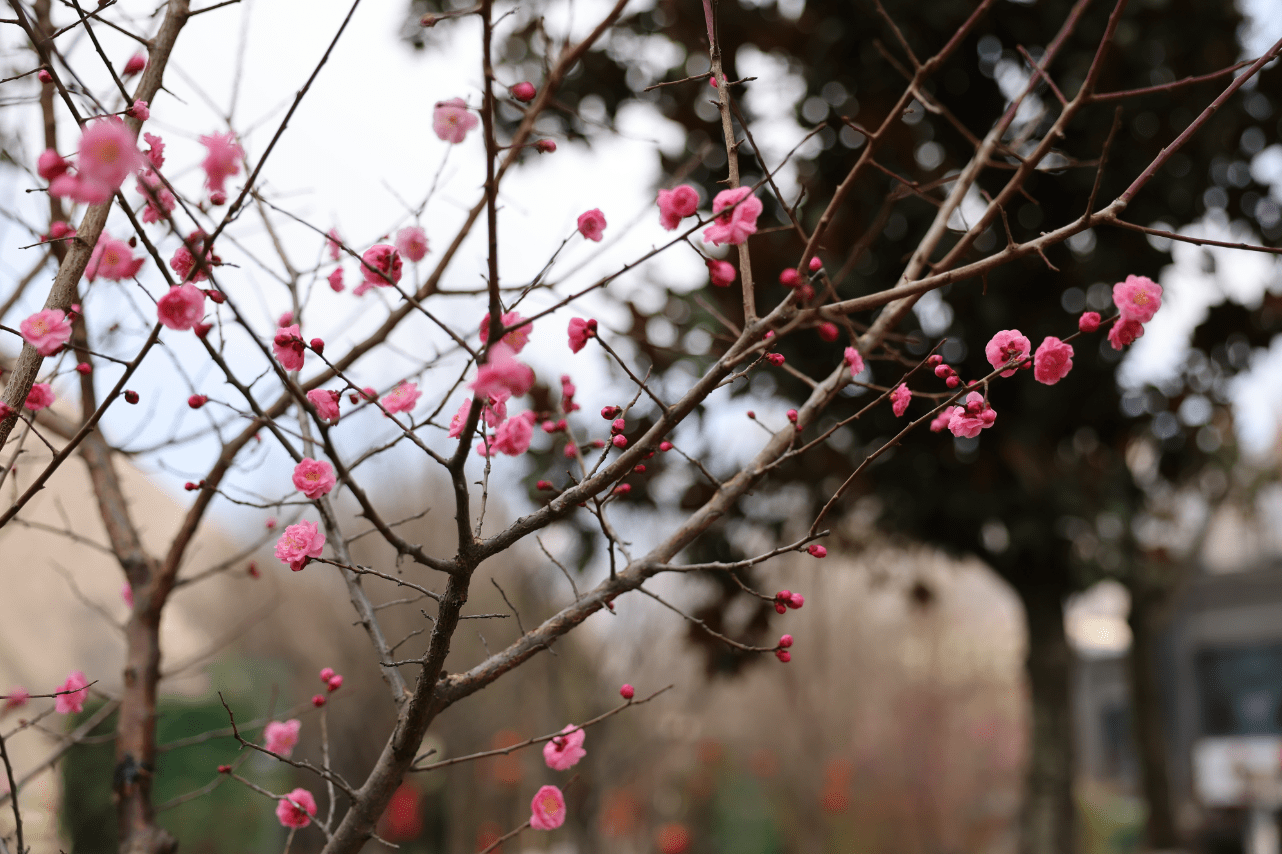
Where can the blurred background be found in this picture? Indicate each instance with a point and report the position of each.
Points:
(1064, 636)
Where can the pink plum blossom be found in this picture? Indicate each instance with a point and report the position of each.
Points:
(139, 110)
(899, 399)
(18, 697)
(503, 376)
(314, 478)
(855, 361)
(677, 204)
(182, 307)
(580, 331)
(1053, 361)
(282, 737)
(299, 543)
(73, 702)
(135, 64)
(158, 197)
(564, 751)
(547, 810)
(451, 120)
(184, 262)
(112, 259)
(40, 397)
(734, 221)
(940, 421)
(1138, 298)
(335, 280)
(494, 413)
(1124, 332)
(966, 421)
(222, 160)
(288, 347)
(46, 330)
(592, 224)
(403, 398)
(156, 150)
(1005, 346)
(108, 154)
(51, 164)
(512, 437)
(516, 339)
(326, 403)
(385, 262)
(721, 272)
(411, 242)
(296, 808)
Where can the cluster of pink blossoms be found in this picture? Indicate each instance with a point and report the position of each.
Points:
(677, 204)
(1137, 300)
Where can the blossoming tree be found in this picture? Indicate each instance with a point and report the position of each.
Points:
(293, 391)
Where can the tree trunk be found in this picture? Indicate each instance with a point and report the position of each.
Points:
(1047, 819)
(1147, 605)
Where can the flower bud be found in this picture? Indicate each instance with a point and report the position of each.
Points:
(131, 396)
(197, 400)
(627, 692)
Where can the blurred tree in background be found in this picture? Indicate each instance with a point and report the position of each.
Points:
(1049, 504)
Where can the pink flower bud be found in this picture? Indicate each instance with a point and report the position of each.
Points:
(84, 368)
(805, 293)
(828, 331)
(224, 769)
(131, 396)
(627, 692)
(775, 359)
(202, 329)
(792, 415)
(44, 76)
(618, 426)
(270, 523)
(622, 489)
(318, 700)
(640, 468)
(139, 110)
(783, 655)
(335, 682)
(317, 345)
(545, 146)
(197, 400)
(218, 198)
(785, 641)
(609, 413)
(326, 674)
(935, 359)
(544, 485)
(815, 264)
(216, 296)
(619, 441)
(524, 92)
(549, 426)
(790, 278)
(665, 446)
(1089, 321)
(817, 550)
(797, 600)
(780, 608)
(136, 63)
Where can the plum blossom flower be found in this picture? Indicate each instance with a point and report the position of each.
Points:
(385, 262)
(1053, 361)
(314, 478)
(156, 150)
(516, 339)
(326, 403)
(113, 260)
(677, 204)
(282, 737)
(335, 280)
(1138, 298)
(46, 330)
(592, 224)
(966, 421)
(512, 437)
(18, 697)
(1006, 346)
(1124, 332)
(108, 154)
(1089, 321)
(296, 809)
(503, 376)
(721, 272)
(734, 221)
(494, 413)
(51, 164)
(158, 197)
(940, 421)
(73, 702)
(580, 331)
(40, 397)
(547, 810)
(135, 64)
(564, 751)
(451, 120)
(411, 242)
(403, 398)
(139, 110)
(222, 160)
(855, 361)
(299, 543)
(899, 399)
(181, 308)
(288, 347)
(184, 262)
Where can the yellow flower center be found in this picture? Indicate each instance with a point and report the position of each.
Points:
(550, 805)
(110, 258)
(1140, 298)
(39, 327)
(108, 150)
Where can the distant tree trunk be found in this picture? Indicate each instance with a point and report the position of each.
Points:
(1047, 820)
(1147, 607)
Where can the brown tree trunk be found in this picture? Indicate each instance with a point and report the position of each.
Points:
(1147, 606)
(1047, 820)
